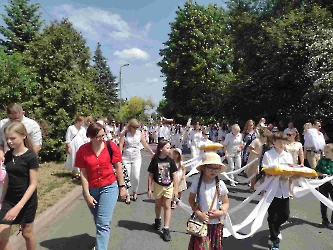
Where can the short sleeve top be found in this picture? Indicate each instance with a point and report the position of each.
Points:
(99, 169)
(293, 149)
(18, 170)
(162, 170)
(32, 128)
(206, 195)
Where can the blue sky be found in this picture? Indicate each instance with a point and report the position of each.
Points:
(130, 31)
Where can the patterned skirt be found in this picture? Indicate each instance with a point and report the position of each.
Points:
(213, 240)
(126, 177)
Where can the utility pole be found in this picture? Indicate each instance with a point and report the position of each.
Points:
(121, 112)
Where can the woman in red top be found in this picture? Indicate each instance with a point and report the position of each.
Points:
(99, 182)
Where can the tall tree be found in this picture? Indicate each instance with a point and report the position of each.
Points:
(23, 22)
(61, 58)
(196, 60)
(104, 77)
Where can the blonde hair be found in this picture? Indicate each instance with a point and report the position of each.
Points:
(172, 152)
(19, 128)
(132, 123)
(235, 127)
(329, 147)
(306, 127)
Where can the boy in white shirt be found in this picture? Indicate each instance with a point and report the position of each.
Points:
(279, 210)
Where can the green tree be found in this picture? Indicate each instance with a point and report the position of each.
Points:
(23, 23)
(196, 60)
(104, 77)
(137, 107)
(17, 82)
(61, 59)
(274, 78)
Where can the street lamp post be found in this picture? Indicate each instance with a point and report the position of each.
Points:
(121, 112)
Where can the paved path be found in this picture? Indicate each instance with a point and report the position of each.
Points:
(132, 225)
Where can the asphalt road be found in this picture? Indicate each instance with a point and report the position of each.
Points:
(132, 225)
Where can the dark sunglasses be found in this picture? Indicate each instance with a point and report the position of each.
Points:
(290, 135)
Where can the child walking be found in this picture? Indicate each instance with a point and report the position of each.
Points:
(201, 198)
(325, 168)
(176, 154)
(279, 210)
(20, 202)
(163, 176)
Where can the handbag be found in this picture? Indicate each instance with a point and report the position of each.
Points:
(197, 227)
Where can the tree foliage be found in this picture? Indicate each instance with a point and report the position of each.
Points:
(61, 59)
(104, 77)
(195, 60)
(278, 57)
(23, 23)
(137, 107)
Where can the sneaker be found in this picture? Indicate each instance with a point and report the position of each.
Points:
(166, 234)
(275, 246)
(158, 223)
(327, 224)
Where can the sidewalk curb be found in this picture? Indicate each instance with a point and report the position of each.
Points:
(17, 241)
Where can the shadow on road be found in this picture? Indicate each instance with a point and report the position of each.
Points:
(258, 241)
(137, 226)
(82, 242)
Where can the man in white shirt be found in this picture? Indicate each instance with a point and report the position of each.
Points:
(279, 210)
(314, 143)
(290, 127)
(16, 113)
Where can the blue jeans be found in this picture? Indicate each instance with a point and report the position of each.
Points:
(106, 198)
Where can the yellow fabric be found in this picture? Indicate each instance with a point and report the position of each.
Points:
(212, 146)
(285, 171)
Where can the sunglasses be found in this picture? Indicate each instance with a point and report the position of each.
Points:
(291, 134)
(206, 134)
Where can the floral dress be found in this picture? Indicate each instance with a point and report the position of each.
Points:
(247, 138)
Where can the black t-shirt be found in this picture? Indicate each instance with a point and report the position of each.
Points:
(17, 168)
(162, 170)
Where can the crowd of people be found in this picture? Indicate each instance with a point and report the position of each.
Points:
(106, 157)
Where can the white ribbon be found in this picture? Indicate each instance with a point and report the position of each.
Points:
(305, 186)
(257, 215)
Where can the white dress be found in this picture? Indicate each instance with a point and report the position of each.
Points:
(195, 140)
(75, 139)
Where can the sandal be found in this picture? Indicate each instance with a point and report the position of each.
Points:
(252, 190)
(173, 205)
(134, 198)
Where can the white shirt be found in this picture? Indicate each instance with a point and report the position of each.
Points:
(272, 157)
(32, 128)
(232, 143)
(206, 195)
(314, 140)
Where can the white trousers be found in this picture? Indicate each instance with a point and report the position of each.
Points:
(234, 162)
(133, 167)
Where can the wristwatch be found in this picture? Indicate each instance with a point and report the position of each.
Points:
(121, 186)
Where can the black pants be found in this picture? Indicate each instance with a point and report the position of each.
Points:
(327, 190)
(278, 213)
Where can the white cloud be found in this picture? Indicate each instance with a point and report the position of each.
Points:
(152, 80)
(132, 54)
(148, 27)
(149, 65)
(96, 23)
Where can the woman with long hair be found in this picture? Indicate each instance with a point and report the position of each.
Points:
(19, 205)
(130, 141)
